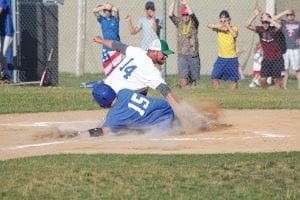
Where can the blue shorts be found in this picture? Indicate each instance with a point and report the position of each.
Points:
(226, 69)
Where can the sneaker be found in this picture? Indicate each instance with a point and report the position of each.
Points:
(252, 85)
(243, 77)
(257, 83)
(5, 79)
(269, 80)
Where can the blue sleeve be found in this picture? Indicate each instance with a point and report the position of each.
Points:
(3, 4)
(112, 122)
(99, 19)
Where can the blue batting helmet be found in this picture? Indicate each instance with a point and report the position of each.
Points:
(103, 94)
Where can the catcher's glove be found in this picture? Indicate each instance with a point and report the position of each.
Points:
(96, 132)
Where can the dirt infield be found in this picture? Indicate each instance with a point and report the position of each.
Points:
(24, 135)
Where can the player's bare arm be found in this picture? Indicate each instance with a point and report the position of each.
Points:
(97, 9)
(257, 12)
(216, 26)
(280, 15)
(234, 33)
(266, 17)
(115, 12)
(133, 30)
(154, 24)
(172, 8)
(114, 45)
(167, 93)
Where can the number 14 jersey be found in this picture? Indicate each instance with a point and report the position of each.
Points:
(136, 72)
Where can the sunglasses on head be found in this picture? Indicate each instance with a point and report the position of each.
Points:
(105, 10)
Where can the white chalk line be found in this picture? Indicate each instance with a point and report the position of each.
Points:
(199, 139)
(34, 145)
(43, 124)
(260, 135)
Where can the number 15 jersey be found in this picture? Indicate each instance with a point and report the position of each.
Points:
(136, 72)
(135, 111)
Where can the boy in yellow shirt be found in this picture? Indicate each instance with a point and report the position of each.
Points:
(226, 65)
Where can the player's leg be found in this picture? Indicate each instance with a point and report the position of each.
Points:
(232, 72)
(195, 66)
(286, 58)
(217, 72)
(295, 62)
(278, 66)
(7, 42)
(264, 74)
(183, 70)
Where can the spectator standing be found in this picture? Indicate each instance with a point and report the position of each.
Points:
(226, 65)
(6, 32)
(273, 63)
(258, 58)
(150, 24)
(109, 23)
(188, 50)
(291, 30)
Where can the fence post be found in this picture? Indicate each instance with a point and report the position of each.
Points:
(80, 46)
(165, 34)
(270, 7)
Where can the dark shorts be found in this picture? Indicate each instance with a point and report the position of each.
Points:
(272, 68)
(226, 69)
(189, 67)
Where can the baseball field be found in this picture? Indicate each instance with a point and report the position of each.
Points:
(249, 148)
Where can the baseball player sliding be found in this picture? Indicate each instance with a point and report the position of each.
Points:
(130, 110)
(133, 76)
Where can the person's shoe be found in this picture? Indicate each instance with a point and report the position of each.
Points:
(257, 82)
(269, 80)
(4, 79)
(243, 77)
(252, 85)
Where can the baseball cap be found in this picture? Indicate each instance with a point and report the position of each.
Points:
(160, 45)
(149, 5)
(291, 12)
(184, 11)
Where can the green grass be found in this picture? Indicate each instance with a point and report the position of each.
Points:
(69, 96)
(107, 176)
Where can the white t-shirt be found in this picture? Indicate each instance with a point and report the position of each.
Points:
(136, 72)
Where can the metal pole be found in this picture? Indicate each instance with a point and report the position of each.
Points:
(270, 7)
(165, 34)
(14, 15)
(80, 47)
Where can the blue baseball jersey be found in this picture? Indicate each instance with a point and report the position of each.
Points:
(110, 28)
(137, 112)
(6, 24)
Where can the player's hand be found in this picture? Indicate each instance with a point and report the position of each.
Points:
(114, 9)
(257, 11)
(183, 2)
(98, 39)
(100, 4)
(127, 18)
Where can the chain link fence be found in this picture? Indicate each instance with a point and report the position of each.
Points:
(67, 30)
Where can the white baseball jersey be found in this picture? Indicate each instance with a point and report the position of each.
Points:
(136, 72)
